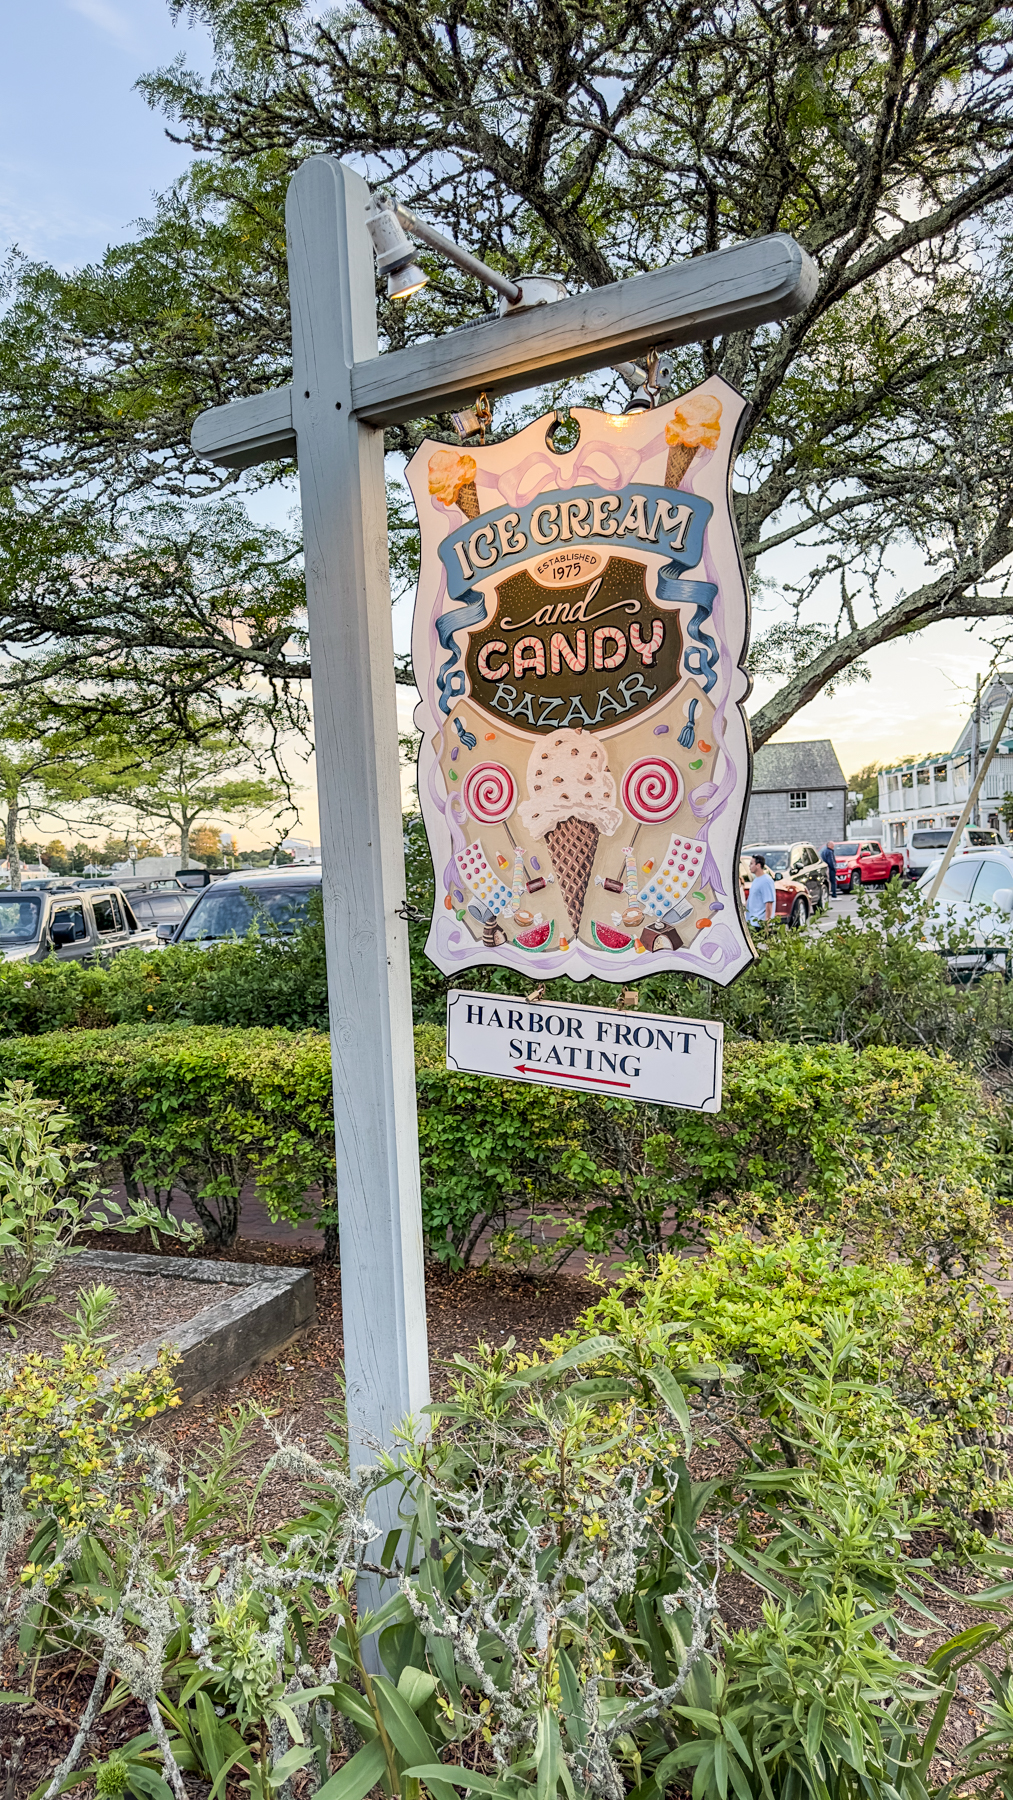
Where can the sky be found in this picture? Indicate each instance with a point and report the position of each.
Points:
(81, 156)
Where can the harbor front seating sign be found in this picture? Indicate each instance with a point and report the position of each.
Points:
(579, 631)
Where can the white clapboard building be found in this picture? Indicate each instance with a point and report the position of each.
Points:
(929, 795)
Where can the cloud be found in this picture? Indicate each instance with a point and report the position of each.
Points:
(108, 20)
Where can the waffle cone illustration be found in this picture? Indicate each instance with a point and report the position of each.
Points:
(571, 801)
(452, 481)
(572, 845)
(695, 425)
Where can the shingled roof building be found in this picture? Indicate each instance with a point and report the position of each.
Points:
(799, 793)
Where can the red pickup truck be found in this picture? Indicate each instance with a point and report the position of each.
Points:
(863, 862)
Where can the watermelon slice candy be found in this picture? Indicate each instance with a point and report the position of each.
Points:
(536, 937)
(608, 938)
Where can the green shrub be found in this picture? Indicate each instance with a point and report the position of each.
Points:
(50, 996)
(801, 1126)
(197, 1109)
(204, 1109)
(929, 1356)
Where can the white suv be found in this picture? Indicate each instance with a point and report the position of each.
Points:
(976, 892)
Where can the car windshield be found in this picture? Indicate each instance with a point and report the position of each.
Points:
(846, 849)
(776, 860)
(229, 912)
(983, 840)
(19, 918)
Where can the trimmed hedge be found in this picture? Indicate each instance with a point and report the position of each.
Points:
(201, 1110)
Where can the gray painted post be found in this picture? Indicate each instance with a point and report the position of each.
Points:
(344, 511)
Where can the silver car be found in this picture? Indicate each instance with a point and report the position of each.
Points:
(72, 926)
(976, 898)
(275, 899)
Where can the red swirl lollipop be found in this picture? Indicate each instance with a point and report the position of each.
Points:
(652, 790)
(490, 793)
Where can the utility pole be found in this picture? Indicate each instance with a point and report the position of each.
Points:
(976, 748)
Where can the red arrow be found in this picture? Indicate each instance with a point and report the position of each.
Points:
(566, 1075)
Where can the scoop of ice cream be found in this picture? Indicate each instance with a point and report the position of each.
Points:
(696, 421)
(449, 470)
(569, 778)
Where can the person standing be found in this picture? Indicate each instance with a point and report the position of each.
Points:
(762, 896)
(828, 856)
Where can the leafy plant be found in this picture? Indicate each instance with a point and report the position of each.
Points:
(48, 1198)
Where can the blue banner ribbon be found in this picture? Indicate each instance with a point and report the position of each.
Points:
(638, 516)
(701, 657)
(451, 680)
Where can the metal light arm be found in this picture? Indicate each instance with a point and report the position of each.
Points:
(471, 265)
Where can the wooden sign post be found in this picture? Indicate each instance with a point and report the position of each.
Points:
(332, 418)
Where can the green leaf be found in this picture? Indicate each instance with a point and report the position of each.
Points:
(664, 1381)
(588, 1351)
(417, 1686)
(296, 1758)
(354, 1780)
(721, 1767)
(814, 1729)
(452, 1772)
(547, 1756)
(408, 1736)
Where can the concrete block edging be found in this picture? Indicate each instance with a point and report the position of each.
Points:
(232, 1337)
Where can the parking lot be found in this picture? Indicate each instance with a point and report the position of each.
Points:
(844, 907)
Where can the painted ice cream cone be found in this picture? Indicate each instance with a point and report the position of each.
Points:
(452, 480)
(571, 802)
(695, 425)
(572, 845)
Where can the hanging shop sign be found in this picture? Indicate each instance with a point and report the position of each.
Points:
(578, 640)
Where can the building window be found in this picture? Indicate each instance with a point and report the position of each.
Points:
(798, 800)
(897, 833)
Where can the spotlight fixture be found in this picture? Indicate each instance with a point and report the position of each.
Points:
(395, 253)
(388, 224)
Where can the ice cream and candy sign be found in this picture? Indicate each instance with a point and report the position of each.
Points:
(579, 629)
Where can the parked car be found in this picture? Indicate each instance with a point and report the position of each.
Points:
(276, 898)
(75, 926)
(791, 899)
(798, 863)
(978, 880)
(926, 845)
(161, 906)
(863, 862)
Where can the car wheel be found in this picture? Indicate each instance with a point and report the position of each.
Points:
(799, 915)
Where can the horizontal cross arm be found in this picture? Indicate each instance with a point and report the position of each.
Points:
(703, 297)
(256, 429)
(706, 296)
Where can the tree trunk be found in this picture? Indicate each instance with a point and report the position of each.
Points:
(184, 844)
(14, 861)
